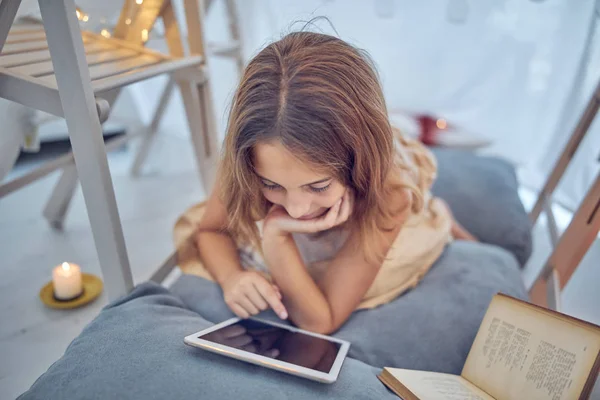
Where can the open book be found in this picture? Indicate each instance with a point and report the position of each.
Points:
(521, 351)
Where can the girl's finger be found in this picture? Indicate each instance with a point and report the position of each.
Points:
(248, 306)
(270, 295)
(333, 214)
(345, 210)
(257, 299)
(239, 311)
(277, 291)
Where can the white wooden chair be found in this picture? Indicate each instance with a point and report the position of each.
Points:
(77, 75)
(573, 244)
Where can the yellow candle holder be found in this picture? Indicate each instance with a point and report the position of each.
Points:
(92, 287)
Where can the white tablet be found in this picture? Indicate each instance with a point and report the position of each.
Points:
(275, 346)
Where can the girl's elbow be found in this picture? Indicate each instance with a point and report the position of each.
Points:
(324, 326)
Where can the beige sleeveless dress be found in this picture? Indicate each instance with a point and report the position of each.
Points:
(418, 245)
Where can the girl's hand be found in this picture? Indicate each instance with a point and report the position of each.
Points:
(278, 221)
(248, 293)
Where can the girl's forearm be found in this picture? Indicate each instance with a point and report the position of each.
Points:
(307, 306)
(219, 255)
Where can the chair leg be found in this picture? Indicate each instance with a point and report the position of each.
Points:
(195, 108)
(211, 136)
(10, 142)
(148, 138)
(572, 245)
(60, 199)
(58, 204)
(79, 107)
(234, 31)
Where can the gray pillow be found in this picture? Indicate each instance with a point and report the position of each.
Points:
(134, 350)
(431, 327)
(483, 195)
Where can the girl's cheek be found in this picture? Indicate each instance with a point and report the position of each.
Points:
(272, 197)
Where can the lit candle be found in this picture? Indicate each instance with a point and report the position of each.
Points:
(66, 279)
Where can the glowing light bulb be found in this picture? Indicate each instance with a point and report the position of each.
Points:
(144, 35)
(85, 18)
(441, 123)
(128, 21)
(139, 2)
(66, 266)
(105, 33)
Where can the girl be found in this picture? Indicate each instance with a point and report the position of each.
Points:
(332, 204)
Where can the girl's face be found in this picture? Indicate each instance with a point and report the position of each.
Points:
(293, 184)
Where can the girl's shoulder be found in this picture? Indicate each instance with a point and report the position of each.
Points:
(414, 158)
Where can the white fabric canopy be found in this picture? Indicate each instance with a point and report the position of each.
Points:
(501, 69)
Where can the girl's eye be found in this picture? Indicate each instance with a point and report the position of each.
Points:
(320, 189)
(270, 186)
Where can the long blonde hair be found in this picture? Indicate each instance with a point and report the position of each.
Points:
(320, 97)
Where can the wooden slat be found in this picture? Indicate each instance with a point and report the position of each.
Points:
(29, 46)
(26, 37)
(46, 68)
(18, 29)
(23, 47)
(13, 60)
(226, 49)
(125, 44)
(119, 67)
(102, 85)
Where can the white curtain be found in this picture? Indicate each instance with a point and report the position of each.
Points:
(501, 69)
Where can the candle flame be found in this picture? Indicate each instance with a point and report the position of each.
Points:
(66, 266)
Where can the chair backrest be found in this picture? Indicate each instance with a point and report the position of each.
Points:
(137, 20)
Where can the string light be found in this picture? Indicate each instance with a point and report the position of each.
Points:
(144, 35)
(105, 33)
(81, 15)
(441, 123)
(128, 21)
(139, 2)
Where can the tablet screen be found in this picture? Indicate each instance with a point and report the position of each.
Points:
(278, 343)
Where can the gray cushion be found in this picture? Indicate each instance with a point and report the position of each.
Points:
(431, 327)
(483, 195)
(134, 350)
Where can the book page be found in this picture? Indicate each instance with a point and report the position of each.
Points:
(437, 386)
(523, 352)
